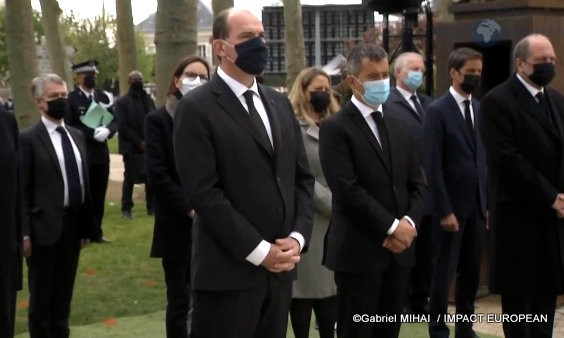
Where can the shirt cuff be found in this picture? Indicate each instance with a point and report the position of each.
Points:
(25, 237)
(259, 253)
(409, 220)
(393, 227)
(298, 237)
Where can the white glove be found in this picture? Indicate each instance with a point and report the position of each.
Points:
(101, 134)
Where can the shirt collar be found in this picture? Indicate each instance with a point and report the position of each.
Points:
(364, 109)
(534, 91)
(457, 97)
(236, 87)
(85, 92)
(50, 125)
(406, 95)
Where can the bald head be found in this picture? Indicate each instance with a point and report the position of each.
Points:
(224, 21)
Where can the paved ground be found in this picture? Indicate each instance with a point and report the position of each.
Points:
(485, 305)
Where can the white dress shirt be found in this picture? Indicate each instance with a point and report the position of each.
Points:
(460, 102)
(407, 96)
(366, 112)
(258, 255)
(56, 141)
(534, 91)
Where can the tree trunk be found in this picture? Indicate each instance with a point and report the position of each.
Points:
(441, 9)
(22, 56)
(176, 36)
(50, 12)
(295, 48)
(220, 5)
(125, 42)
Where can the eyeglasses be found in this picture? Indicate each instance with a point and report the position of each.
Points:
(192, 76)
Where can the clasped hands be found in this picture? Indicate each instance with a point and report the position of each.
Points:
(559, 205)
(283, 255)
(401, 238)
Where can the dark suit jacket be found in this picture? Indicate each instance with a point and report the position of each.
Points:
(526, 161)
(131, 111)
(43, 187)
(10, 197)
(404, 112)
(368, 194)
(173, 228)
(241, 193)
(78, 105)
(455, 165)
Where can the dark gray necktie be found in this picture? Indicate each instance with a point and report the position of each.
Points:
(382, 132)
(257, 121)
(71, 168)
(468, 118)
(418, 107)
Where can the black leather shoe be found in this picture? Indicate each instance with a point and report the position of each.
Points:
(102, 240)
(127, 214)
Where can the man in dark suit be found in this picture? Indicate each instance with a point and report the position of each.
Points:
(57, 218)
(10, 227)
(455, 165)
(372, 167)
(130, 111)
(410, 106)
(98, 154)
(242, 163)
(523, 131)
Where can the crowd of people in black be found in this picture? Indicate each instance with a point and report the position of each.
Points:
(270, 206)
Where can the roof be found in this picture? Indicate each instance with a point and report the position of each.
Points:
(205, 20)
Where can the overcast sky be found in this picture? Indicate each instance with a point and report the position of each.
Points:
(141, 9)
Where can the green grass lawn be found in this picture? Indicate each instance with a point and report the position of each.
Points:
(120, 291)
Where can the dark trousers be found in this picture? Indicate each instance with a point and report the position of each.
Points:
(9, 281)
(534, 305)
(99, 174)
(420, 277)
(259, 312)
(459, 251)
(133, 169)
(177, 279)
(381, 293)
(325, 312)
(52, 271)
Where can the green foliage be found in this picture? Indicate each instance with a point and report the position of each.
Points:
(145, 62)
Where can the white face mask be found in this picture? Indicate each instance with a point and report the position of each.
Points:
(188, 85)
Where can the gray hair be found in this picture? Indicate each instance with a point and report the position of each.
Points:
(401, 59)
(39, 82)
(134, 73)
(359, 52)
(522, 50)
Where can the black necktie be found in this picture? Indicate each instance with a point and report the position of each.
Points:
(382, 132)
(73, 178)
(257, 121)
(418, 107)
(468, 118)
(544, 105)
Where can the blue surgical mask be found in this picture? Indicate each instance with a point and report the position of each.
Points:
(376, 92)
(414, 79)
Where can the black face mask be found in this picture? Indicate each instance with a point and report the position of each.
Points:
(543, 73)
(57, 108)
(136, 86)
(89, 81)
(470, 83)
(252, 56)
(319, 100)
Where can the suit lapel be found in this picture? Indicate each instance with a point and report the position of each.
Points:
(273, 117)
(555, 114)
(399, 99)
(459, 119)
(361, 123)
(232, 106)
(45, 139)
(81, 150)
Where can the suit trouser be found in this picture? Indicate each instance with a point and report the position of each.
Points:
(178, 294)
(538, 305)
(52, 271)
(99, 174)
(132, 165)
(258, 312)
(459, 251)
(420, 277)
(8, 287)
(371, 294)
